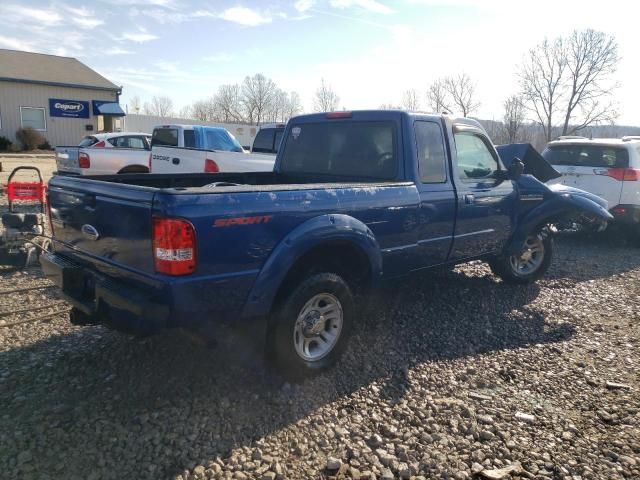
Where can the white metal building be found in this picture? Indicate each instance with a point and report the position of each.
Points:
(58, 96)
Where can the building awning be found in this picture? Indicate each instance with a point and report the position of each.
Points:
(113, 109)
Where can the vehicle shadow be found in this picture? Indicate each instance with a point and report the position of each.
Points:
(164, 405)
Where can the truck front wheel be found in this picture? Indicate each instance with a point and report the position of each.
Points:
(529, 264)
(311, 327)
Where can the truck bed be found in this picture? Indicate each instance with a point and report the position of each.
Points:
(189, 183)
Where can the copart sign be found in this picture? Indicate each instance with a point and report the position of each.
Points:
(59, 107)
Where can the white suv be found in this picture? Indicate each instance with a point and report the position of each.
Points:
(607, 167)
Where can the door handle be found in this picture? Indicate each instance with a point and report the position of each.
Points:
(469, 198)
(175, 161)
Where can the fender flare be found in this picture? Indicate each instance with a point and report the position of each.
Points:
(556, 206)
(310, 234)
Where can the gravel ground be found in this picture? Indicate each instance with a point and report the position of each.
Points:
(453, 374)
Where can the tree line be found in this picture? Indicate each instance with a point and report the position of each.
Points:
(256, 100)
(566, 84)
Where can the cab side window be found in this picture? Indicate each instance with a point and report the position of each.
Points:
(475, 160)
(431, 157)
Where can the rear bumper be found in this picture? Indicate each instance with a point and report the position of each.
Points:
(107, 301)
(628, 214)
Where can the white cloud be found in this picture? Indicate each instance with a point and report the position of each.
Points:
(244, 16)
(37, 17)
(139, 37)
(87, 22)
(369, 5)
(303, 5)
(117, 51)
(14, 43)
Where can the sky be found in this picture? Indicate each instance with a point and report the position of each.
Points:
(369, 51)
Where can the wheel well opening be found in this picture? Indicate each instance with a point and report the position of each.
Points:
(340, 257)
(134, 169)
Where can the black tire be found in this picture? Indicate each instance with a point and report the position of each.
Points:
(502, 266)
(281, 350)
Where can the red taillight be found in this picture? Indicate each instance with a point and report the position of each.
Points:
(623, 174)
(100, 144)
(83, 160)
(210, 166)
(174, 246)
(619, 210)
(339, 115)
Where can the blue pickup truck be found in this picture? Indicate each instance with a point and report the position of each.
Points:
(282, 259)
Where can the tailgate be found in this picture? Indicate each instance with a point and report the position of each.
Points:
(110, 221)
(177, 160)
(67, 159)
(243, 162)
(593, 180)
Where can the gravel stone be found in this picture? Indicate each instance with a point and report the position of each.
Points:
(428, 388)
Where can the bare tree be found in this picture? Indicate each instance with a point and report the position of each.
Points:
(591, 58)
(514, 116)
(437, 97)
(461, 90)
(257, 96)
(159, 106)
(411, 100)
(279, 105)
(204, 110)
(541, 78)
(389, 106)
(325, 99)
(227, 104)
(186, 112)
(135, 104)
(294, 106)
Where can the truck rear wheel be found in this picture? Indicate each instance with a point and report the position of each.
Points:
(311, 327)
(529, 264)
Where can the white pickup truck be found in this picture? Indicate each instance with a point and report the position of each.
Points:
(106, 154)
(196, 149)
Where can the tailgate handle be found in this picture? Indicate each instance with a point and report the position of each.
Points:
(175, 160)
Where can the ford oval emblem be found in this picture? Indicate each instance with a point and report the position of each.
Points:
(90, 232)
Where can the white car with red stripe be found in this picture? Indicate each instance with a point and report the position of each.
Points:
(607, 167)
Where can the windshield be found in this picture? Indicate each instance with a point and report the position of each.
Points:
(88, 141)
(220, 139)
(360, 149)
(587, 156)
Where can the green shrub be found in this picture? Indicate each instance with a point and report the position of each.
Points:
(5, 144)
(45, 146)
(29, 138)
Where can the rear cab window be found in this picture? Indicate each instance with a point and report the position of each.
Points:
(362, 149)
(166, 137)
(189, 138)
(263, 142)
(587, 156)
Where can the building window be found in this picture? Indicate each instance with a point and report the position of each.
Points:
(33, 117)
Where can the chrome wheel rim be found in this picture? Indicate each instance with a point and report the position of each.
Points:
(318, 327)
(530, 258)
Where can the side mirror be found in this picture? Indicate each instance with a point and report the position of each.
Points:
(515, 170)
